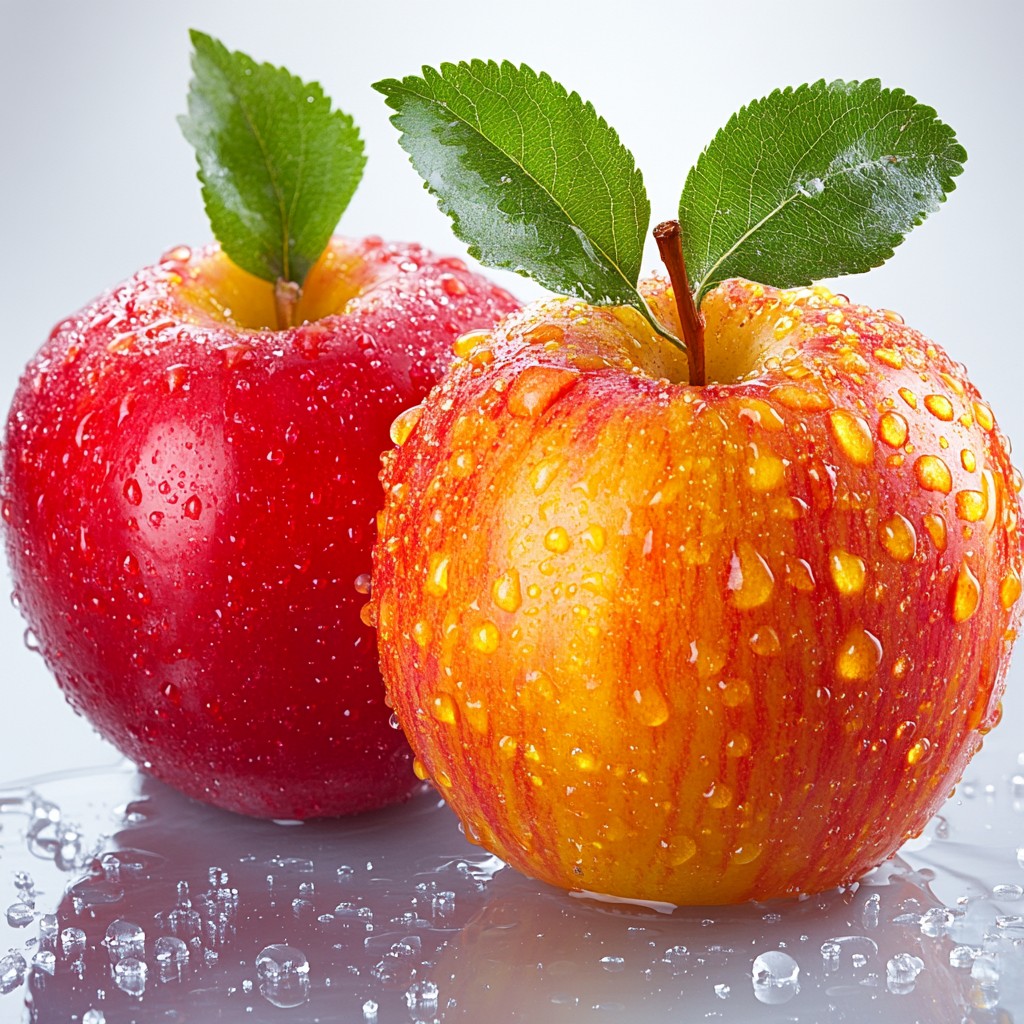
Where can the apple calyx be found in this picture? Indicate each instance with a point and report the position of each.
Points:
(805, 184)
(670, 246)
(278, 166)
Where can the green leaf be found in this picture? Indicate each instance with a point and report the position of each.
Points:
(533, 179)
(278, 166)
(814, 182)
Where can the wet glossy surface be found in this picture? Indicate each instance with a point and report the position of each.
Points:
(184, 913)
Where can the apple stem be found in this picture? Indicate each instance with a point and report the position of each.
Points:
(286, 302)
(670, 244)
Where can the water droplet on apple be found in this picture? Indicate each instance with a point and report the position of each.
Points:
(649, 706)
(920, 751)
(983, 414)
(898, 537)
(193, 507)
(853, 435)
(766, 473)
(939, 406)
(464, 344)
(1010, 590)
(794, 397)
(859, 655)
(506, 592)
(132, 491)
(893, 429)
(179, 254)
(404, 424)
(799, 575)
(935, 526)
(765, 642)
(556, 540)
(750, 579)
(542, 333)
(437, 575)
(543, 473)
(362, 583)
(176, 377)
(734, 692)
(453, 286)
(971, 506)
(783, 326)
(933, 474)
(485, 637)
(738, 745)
(537, 388)
(849, 572)
(966, 594)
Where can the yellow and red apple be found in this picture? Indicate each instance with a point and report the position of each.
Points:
(699, 644)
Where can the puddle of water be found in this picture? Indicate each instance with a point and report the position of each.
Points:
(125, 902)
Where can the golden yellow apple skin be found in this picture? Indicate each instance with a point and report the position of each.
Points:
(698, 645)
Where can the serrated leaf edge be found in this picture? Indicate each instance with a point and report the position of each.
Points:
(701, 287)
(409, 84)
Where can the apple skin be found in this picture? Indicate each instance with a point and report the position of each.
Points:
(188, 498)
(698, 645)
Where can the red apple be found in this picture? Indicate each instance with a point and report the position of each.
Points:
(189, 496)
(700, 644)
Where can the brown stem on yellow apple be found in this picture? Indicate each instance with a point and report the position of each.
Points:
(669, 238)
(286, 302)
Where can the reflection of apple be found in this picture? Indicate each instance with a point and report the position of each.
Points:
(232, 889)
(533, 955)
(189, 499)
(698, 644)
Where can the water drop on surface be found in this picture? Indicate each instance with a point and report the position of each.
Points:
(937, 921)
(169, 949)
(130, 975)
(94, 1016)
(72, 942)
(45, 960)
(776, 977)
(125, 939)
(12, 971)
(277, 960)
(962, 956)
(19, 915)
(1008, 891)
(901, 973)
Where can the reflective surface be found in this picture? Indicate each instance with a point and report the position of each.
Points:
(127, 902)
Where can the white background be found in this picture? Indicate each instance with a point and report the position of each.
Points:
(96, 181)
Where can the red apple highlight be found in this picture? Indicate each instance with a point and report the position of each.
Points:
(698, 644)
(189, 500)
